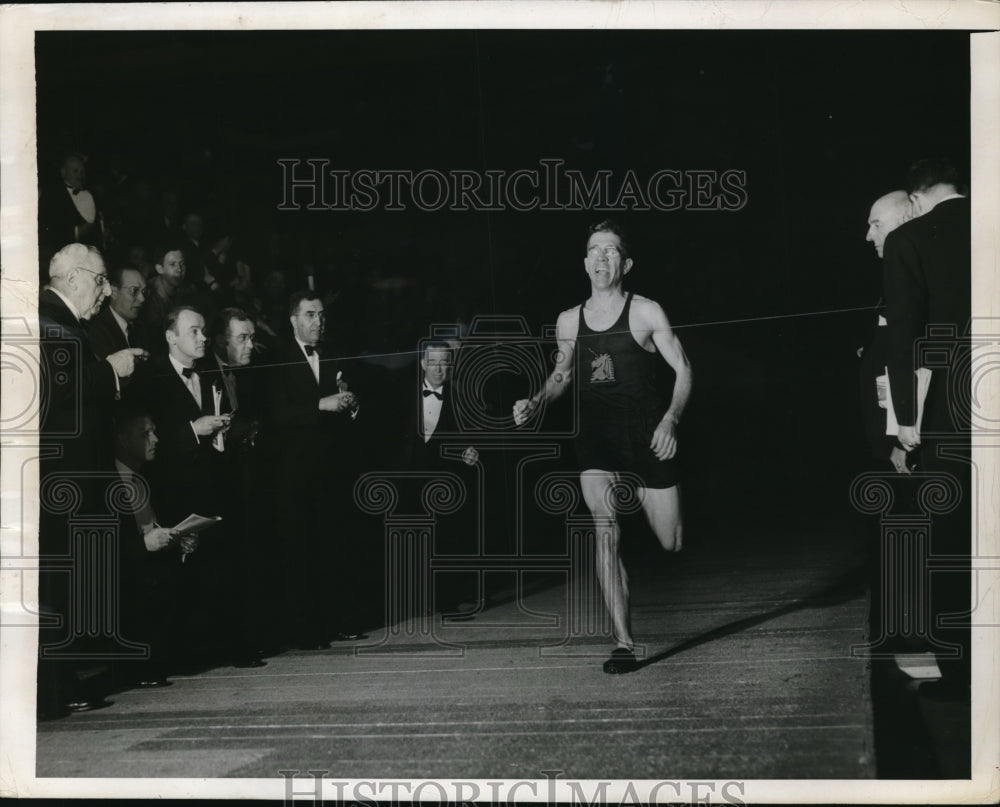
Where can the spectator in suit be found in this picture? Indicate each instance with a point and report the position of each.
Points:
(312, 423)
(247, 477)
(77, 395)
(433, 426)
(927, 281)
(887, 213)
(151, 556)
(115, 327)
(67, 211)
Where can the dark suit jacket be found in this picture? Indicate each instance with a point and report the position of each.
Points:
(77, 389)
(242, 397)
(58, 219)
(309, 443)
(927, 281)
(105, 335)
(415, 453)
(871, 366)
(187, 470)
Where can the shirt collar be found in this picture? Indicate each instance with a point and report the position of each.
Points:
(72, 308)
(433, 389)
(122, 322)
(178, 367)
(302, 347)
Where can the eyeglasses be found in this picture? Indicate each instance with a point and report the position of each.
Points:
(609, 251)
(102, 279)
(134, 291)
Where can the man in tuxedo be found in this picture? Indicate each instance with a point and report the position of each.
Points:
(927, 282)
(312, 420)
(67, 211)
(432, 427)
(77, 395)
(151, 555)
(432, 420)
(115, 327)
(181, 401)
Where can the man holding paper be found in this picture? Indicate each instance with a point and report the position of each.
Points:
(151, 555)
(887, 213)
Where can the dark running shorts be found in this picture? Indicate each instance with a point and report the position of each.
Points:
(620, 442)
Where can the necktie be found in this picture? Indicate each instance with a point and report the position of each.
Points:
(310, 349)
(129, 334)
(432, 392)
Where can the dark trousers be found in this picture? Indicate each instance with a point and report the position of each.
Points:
(951, 537)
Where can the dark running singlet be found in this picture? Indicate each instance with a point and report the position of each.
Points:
(620, 403)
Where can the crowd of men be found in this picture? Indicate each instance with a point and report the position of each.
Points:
(192, 427)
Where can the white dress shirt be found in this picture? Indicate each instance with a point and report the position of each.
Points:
(432, 409)
(122, 323)
(84, 203)
(193, 383)
(313, 359)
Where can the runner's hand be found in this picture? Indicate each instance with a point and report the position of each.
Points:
(664, 443)
(523, 410)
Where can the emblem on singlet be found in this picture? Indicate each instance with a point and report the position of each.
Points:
(603, 368)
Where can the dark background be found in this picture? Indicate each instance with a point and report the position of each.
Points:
(822, 123)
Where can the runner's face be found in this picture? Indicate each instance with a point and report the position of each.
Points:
(604, 263)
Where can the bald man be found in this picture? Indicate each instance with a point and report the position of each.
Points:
(887, 213)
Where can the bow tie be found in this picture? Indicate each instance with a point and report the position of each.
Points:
(73, 190)
(310, 349)
(187, 372)
(432, 392)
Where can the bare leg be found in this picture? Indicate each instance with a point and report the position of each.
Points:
(663, 511)
(610, 570)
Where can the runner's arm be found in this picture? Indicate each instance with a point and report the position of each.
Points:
(559, 380)
(673, 353)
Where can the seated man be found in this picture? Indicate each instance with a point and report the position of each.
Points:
(151, 555)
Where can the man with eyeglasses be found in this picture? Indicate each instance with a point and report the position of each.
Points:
(613, 344)
(116, 326)
(78, 391)
(245, 483)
